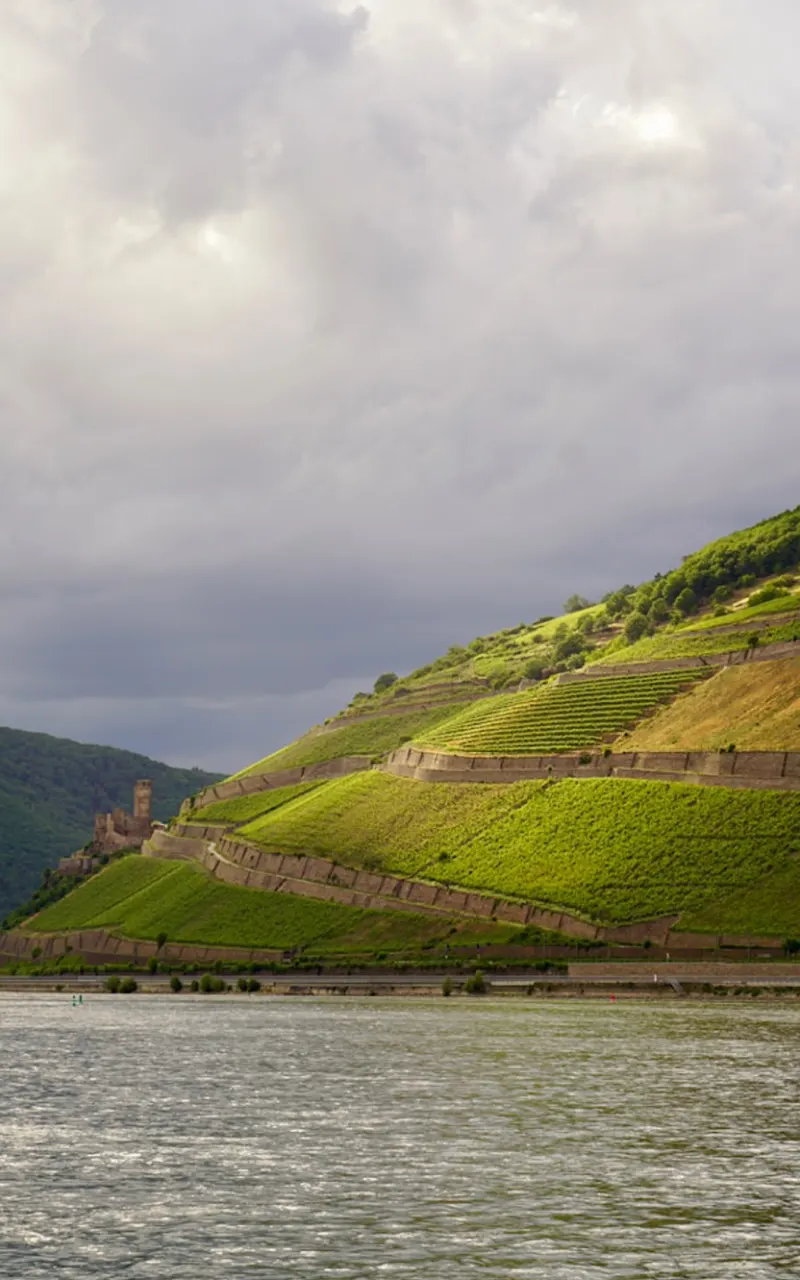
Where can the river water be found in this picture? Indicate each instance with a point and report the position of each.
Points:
(184, 1137)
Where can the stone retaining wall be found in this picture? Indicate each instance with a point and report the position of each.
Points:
(735, 658)
(251, 783)
(97, 946)
(705, 971)
(759, 770)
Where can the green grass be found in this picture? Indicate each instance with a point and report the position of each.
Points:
(141, 897)
(245, 808)
(605, 848)
(783, 604)
(372, 738)
(557, 717)
(772, 906)
(676, 645)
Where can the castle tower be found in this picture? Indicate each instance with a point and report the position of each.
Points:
(143, 799)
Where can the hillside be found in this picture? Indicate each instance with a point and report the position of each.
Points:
(637, 763)
(50, 790)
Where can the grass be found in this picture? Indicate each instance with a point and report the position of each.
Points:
(739, 617)
(605, 848)
(142, 897)
(557, 717)
(245, 808)
(756, 706)
(673, 644)
(372, 738)
(772, 906)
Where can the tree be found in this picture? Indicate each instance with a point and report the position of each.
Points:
(658, 611)
(636, 626)
(686, 602)
(385, 681)
(575, 603)
(534, 669)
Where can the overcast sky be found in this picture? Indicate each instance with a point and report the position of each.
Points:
(334, 334)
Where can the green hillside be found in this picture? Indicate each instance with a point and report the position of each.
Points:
(611, 850)
(608, 849)
(143, 897)
(50, 790)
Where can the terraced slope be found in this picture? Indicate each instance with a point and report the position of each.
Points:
(755, 707)
(697, 644)
(373, 737)
(141, 897)
(245, 808)
(558, 717)
(611, 850)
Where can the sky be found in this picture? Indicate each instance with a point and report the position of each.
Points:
(334, 334)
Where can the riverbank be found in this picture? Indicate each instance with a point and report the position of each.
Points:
(659, 982)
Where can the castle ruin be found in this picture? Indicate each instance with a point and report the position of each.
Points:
(115, 831)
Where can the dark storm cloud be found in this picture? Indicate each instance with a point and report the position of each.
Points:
(333, 334)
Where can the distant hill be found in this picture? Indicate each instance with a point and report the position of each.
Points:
(637, 763)
(50, 789)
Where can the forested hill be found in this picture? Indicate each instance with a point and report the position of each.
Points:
(50, 790)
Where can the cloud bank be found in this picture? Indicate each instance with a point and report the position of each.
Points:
(333, 334)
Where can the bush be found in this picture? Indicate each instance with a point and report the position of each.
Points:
(160, 940)
(771, 592)
(241, 984)
(152, 964)
(128, 986)
(686, 602)
(575, 604)
(211, 984)
(636, 626)
(476, 985)
(112, 984)
(753, 640)
(385, 681)
(175, 983)
(534, 669)
(253, 984)
(194, 985)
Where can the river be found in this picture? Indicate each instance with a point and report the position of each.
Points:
(187, 1137)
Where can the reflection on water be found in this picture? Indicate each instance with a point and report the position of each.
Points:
(179, 1137)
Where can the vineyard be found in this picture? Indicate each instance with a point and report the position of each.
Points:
(142, 897)
(609, 849)
(558, 717)
(245, 808)
(371, 738)
(696, 644)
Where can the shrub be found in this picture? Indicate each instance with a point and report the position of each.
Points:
(175, 983)
(791, 946)
(575, 603)
(160, 940)
(112, 984)
(534, 669)
(753, 639)
(385, 681)
(210, 984)
(128, 986)
(194, 985)
(476, 985)
(253, 984)
(636, 626)
(152, 964)
(771, 592)
(686, 602)
(241, 984)
(447, 986)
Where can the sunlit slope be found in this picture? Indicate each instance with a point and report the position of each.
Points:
(558, 717)
(142, 897)
(609, 849)
(755, 707)
(372, 737)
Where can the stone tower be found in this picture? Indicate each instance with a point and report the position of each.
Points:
(143, 799)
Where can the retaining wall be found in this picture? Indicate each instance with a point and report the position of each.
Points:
(251, 783)
(735, 658)
(759, 770)
(97, 946)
